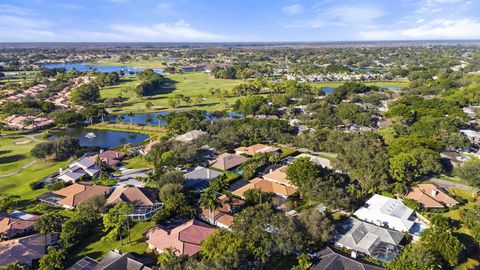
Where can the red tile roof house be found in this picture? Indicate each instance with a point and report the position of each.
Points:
(70, 197)
(109, 158)
(145, 201)
(223, 216)
(16, 224)
(26, 250)
(184, 239)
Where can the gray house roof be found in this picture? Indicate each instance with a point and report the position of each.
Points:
(200, 177)
(111, 261)
(365, 237)
(330, 260)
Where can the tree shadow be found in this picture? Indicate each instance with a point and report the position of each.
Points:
(3, 152)
(10, 159)
(471, 248)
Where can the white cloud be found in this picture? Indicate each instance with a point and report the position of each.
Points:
(178, 31)
(438, 29)
(293, 9)
(10, 9)
(342, 15)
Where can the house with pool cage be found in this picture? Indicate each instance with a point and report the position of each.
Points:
(145, 201)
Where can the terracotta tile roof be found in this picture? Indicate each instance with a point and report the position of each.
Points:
(256, 148)
(186, 238)
(78, 193)
(109, 157)
(220, 217)
(279, 175)
(227, 161)
(149, 146)
(11, 226)
(23, 250)
(134, 195)
(430, 196)
(265, 186)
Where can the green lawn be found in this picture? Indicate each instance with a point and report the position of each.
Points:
(135, 63)
(19, 184)
(96, 248)
(14, 153)
(463, 233)
(13, 157)
(137, 162)
(189, 84)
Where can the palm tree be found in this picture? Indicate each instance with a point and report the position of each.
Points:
(119, 118)
(209, 200)
(131, 115)
(148, 120)
(159, 118)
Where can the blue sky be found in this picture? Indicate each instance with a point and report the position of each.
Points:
(237, 20)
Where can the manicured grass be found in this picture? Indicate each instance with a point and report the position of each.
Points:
(287, 152)
(135, 63)
(396, 84)
(463, 232)
(454, 180)
(137, 162)
(189, 84)
(14, 156)
(19, 184)
(152, 131)
(96, 248)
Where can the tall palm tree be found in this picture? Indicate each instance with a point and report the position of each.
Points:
(131, 115)
(159, 118)
(209, 200)
(149, 120)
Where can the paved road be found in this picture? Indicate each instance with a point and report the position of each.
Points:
(19, 170)
(445, 183)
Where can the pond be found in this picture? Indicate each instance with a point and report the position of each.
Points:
(141, 118)
(100, 68)
(328, 90)
(101, 138)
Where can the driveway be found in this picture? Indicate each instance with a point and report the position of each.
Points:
(446, 184)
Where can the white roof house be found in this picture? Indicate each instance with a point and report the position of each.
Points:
(387, 212)
(78, 169)
(190, 136)
(317, 160)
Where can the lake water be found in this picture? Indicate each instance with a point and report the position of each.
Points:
(104, 138)
(327, 90)
(141, 118)
(100, 68)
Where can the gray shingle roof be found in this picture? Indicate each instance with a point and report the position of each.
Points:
(330, 260)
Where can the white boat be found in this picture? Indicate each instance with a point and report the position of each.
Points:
(90, 135)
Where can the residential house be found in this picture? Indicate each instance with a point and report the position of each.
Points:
(190, 136)
(110, 158)
(320, 161)
(374, 241)
(72, 196)
(283, 191)
(114, 260)
(279, 176)
(331, 260)
(472, 135)
(387, 212)
(16, 224)
(148, 147)
(27, 122)
(222, 217)
(145, 201)
(228, 161)
(26, 250)
(199, 178)
(184, 239)
(78, 169)
(430, 196)
(257, 148)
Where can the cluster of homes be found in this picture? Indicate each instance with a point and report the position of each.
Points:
(27, 122)
(377, 229)
(335, 77)
(18, 96)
